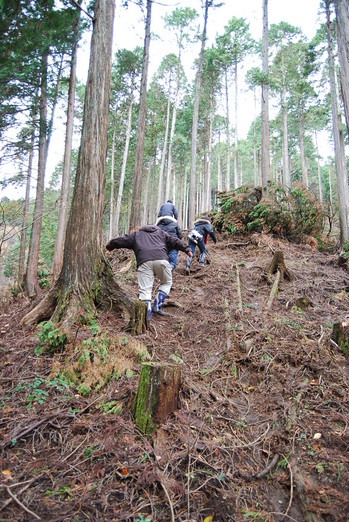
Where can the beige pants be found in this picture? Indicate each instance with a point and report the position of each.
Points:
(147, 272)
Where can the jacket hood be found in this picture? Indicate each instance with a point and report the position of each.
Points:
(203, 219)
(149, 228)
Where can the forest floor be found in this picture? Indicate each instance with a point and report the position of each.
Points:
(261, 433)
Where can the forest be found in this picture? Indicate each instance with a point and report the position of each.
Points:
(259, 336)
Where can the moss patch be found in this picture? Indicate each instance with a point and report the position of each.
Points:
(93, 362)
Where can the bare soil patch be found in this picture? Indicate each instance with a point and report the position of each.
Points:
(262, 431)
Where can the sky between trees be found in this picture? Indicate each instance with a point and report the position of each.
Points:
(129, 32)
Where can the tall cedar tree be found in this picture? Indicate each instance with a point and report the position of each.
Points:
(86, 280)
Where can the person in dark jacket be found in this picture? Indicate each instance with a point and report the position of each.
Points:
(198, 237)
(168, 209)
(172, 228)
(151, 245)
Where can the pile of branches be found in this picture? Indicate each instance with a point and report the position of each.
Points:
(294, 214)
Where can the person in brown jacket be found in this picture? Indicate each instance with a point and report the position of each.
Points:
(151, 246)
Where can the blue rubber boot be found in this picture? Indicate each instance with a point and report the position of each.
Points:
(148, 303)
(202, 259)
(158, 302)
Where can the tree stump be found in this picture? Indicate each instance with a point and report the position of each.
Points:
(340, 335)
(278, 264)
(157, 395)
(139, 319)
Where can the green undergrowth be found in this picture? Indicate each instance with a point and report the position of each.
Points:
(92, 357)
(295, 214)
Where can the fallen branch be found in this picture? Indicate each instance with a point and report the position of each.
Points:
(21, 505)
(169, 501)
(270, 466)
(226, 245)
(30, 482)
(28, 430)
(238, 285)
(274, 290)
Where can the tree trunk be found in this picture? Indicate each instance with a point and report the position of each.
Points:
(342, 29)
(157, 395)
(146, 205)
(227, 178)
(219, 170)
(173, 126)
(63, 209)
(152, 209)
(32, 284)
(86, 280)
(265, 146)
(124, 162)
(209, 155)
(255, 163)
(112, 181)
(285, 154)
(318, 169)
(236, 172)
(341, 172)
(135, 218)
(163, 156)
(301, 148)
(23, 240)
(194, 134)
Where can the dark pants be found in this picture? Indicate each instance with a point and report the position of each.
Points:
(202, 248)
(172, 258)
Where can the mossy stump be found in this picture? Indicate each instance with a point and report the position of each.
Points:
(139, 320)
(157, 395)
(340, 335)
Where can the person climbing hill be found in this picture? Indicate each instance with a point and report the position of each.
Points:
(172, 228)
(151, 245)
(169, 210)
(198, 237)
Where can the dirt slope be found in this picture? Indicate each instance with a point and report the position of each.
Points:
(262, 432)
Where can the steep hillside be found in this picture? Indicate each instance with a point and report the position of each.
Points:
(262, 429)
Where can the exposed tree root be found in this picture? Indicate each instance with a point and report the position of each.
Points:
(80, 302)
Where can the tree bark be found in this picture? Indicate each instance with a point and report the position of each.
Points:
(318, 169)
(157, 395)
(236, 173)
(172, 132)
(301, 147)
(135, 218)
(112, 177)
(340, 164)
(31, 282)
(86, 281)
(342, 29)
(227, 177)
(63, 209)
(23, 240)
(285, 153)
(146, 206)
(194, 135)
(163, 156)
(265, 138)
(124, 161)
(340, 334)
